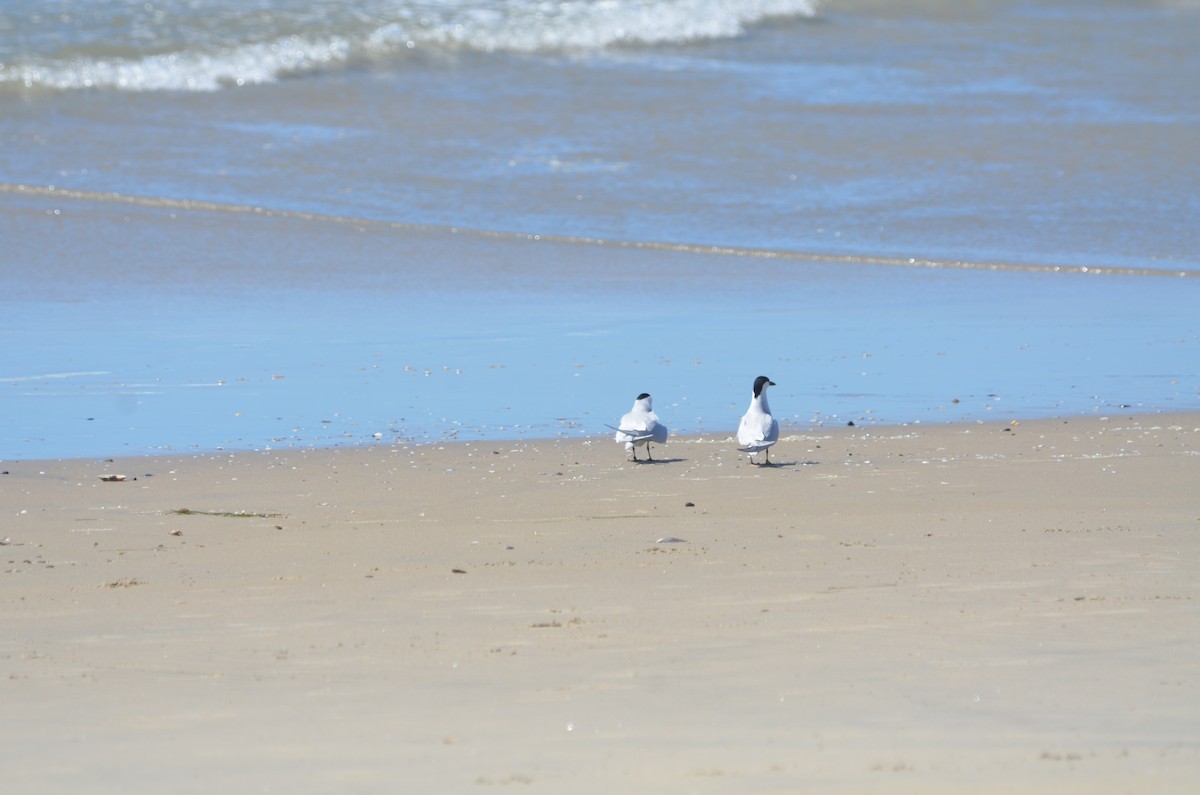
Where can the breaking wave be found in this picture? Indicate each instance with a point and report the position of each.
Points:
(187, 45)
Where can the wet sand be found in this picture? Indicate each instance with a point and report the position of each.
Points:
(287, 330)
(946, 609)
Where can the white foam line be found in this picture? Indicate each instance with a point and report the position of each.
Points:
(119, 392)
(648, 245)
(15, 379)
(172, 386)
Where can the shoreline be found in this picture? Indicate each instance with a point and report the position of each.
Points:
(1187, 270)
(113, 354)
(887, 609)
(795, 435)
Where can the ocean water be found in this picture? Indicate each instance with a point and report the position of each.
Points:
(279, 223)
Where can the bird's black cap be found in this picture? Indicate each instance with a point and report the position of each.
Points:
(760, 382)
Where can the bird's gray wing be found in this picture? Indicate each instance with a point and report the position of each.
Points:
(635, 435)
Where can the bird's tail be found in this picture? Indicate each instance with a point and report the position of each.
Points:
(635, 435)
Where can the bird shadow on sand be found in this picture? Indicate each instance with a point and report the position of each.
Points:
(658, 461)
(782, 464)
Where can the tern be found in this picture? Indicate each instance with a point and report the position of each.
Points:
(758, 429)
(640, 427)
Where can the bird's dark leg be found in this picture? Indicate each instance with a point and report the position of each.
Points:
(634, 451)
(648, 456)
(767, 456)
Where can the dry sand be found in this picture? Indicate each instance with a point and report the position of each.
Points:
(968, 608)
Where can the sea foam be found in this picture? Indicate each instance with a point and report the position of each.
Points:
(186, 49)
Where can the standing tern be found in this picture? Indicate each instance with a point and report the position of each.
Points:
(640, 427)
(758, 429)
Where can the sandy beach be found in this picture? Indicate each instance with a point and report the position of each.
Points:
(957, 608)
(315, 314)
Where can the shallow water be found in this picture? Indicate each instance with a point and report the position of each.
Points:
(492, 235)
(463, 336)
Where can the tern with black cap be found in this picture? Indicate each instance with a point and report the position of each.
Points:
(640, 427)
(758, 429)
